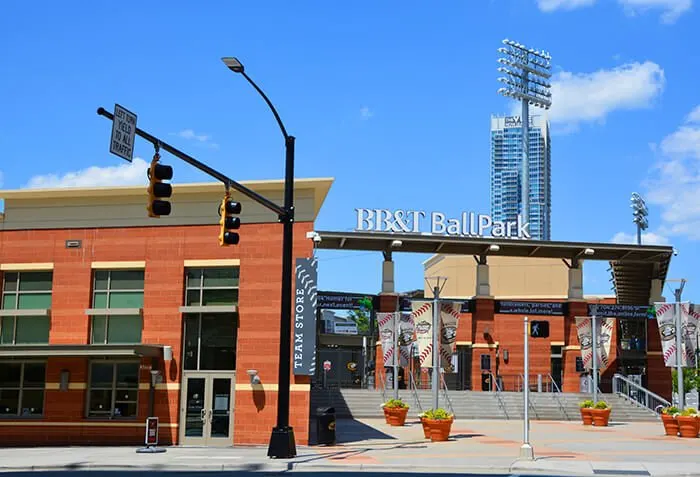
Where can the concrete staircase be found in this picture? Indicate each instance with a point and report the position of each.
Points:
(361, 403)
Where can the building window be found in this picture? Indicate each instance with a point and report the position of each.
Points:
(22, 389)
(114, 290)
(113, 389)
(25, 291)
(212, 286)
(632, 335)
(210, 341)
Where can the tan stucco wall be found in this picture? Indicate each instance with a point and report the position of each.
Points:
(510, 277)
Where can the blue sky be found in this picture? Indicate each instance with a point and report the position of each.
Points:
(392, 99)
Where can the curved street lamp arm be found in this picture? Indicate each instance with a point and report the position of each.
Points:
(269, 103)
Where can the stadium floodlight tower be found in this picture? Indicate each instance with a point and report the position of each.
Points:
(527, 72)
(640, 212)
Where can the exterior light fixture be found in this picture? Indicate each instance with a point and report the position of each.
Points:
(589, 251)
(233, 64)
(494, 247)
(640, 213)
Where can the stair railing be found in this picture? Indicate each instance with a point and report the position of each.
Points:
(414, 391)
(557, 392)
(501, 403)
(443, 385)
(636, 394)
(382, 381)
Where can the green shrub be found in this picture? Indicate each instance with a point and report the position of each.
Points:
(587, 404)
(437, 414)
(395, 403)
(602, 405)
(689, 412)
(671, 410)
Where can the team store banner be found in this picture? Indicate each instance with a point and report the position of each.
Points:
(666, 320)
(584, 330)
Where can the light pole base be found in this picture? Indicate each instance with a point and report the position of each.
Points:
(150, 450)
(526, 452)
(282, 443)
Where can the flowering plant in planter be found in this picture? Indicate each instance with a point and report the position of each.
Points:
(670, 421)
(585, 408)
(601, 413)
(437, 424)
(689, 423)
(395, 411)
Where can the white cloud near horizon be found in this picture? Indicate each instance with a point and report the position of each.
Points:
(128, 173)
(553, 5)
(675, 181)
(366, 113)
(648, 238)
(191, 135)
(671, 9)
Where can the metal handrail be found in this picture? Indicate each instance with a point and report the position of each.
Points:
(414, 392)
(556, 395)
(618, 388)
(447, 396)
(498, 391)
(383, 386)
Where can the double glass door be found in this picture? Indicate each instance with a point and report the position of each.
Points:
(206, 415)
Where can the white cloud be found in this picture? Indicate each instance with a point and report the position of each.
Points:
(694, 116)
(675, 182)
(124, 174)
(581, 97)
(365, 112)
(552, 5)
(672, 9)
(648, 238)
(190, 135)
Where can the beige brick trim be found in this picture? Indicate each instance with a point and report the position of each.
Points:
(71, 386)
(118, 265)
(160, 386)
(464, 343)
(21, 267)
(485, 345)
(221, 262)
(557, 343)
(272, 387)
(572, 348)
(37, 423)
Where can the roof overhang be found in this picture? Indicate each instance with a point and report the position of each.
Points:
(633, 266)
(37, 351)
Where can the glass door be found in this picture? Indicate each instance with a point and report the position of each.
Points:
(206, 416)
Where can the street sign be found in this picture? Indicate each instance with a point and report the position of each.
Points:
(152, 431)
(539, 329)
(123, 133)
(326, 365)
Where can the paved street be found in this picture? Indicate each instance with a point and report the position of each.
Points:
(367, 446)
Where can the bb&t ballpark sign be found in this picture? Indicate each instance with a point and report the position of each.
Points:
(468, 224)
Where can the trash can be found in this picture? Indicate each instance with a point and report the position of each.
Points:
(325, 425)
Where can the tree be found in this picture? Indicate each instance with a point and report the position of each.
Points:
(361, 319)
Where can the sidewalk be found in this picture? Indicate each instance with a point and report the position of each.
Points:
(561, 448)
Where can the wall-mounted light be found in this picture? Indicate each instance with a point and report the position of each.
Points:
(254, 378)
(505, 355)
(167, 353)
(65, 380)
(494, 247)
(396, 243)
(589, 251)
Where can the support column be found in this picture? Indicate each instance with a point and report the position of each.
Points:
(572, 347)
(575, 281)
(658, 376)
(483, 340)
(387, 274)
(483, 286)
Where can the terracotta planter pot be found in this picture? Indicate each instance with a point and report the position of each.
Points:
(395, 416)
(586, 416)
(670, 425)
(439, 429)
(426, 428)
(689, 426)
(600, 417)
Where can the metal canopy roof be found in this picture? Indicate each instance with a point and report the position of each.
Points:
(633, 266)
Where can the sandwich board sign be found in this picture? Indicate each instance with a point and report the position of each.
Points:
(123, 133)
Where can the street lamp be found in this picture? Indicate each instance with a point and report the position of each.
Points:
(282, 443)
(640, 213)
(527, 72)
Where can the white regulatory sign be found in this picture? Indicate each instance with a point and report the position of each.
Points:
(123, 133)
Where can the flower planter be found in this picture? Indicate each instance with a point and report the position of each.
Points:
(426, 427)
(689, 426)
(395, 416)
(586, 416)
(600, 417)
(439, 429)
(670, 425)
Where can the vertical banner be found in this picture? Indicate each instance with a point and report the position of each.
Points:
(406, 338)
(422, 316)
(690, 333)
(386, 336)
(604, 329)
(665, 318)
(304, 352)
(449, 318)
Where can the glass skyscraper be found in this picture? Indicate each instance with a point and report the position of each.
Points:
(506, 161)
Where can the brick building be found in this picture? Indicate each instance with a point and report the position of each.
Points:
(96, 297)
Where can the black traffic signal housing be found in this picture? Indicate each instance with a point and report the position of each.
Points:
(227, 210)
(157, 189)
(539, 329)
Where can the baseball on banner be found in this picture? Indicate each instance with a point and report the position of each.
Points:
(386, 336)
(665, 318)
(422, 315)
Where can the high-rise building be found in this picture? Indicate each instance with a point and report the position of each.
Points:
(506, 172)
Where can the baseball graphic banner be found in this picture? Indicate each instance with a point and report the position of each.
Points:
(386, 336)
(304, 354)
(604, 328)
(407, 338)
(422, 316)
(665, 318)
(449, 317)
(690, 330)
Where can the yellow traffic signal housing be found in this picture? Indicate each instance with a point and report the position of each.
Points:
(227, 210)
(157, 189)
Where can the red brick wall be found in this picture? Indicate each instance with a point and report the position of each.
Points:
(164, 250)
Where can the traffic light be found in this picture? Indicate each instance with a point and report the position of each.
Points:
(539, 329)
(157, 189)
(228, 222)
